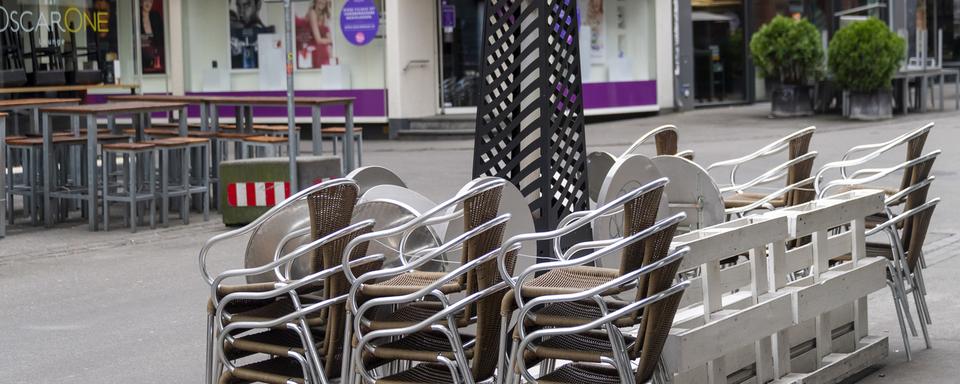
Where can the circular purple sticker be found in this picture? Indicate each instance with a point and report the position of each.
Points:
(359, 21)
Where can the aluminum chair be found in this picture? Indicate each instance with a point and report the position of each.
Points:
(333, 211)
(298, 349)
(572, 306)
(797, 146)
(440, 342)
(639, 208)
(479, 207)
(914, 142)
(666, 139)
(904, 250)
(906, 234)
(614, 364)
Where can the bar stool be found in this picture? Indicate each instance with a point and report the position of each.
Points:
(214, 154)
(225, 139)
(27, 184)
(183, 188)
(337, 133)
(30, 184)
(138, 160)
(271, 146)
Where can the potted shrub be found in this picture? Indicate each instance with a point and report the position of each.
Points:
(864, 56)
(789, 52)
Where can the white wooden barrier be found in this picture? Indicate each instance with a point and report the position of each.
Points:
(750, 323)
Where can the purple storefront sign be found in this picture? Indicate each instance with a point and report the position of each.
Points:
(370, 103)
(359, 21)
(620, 94)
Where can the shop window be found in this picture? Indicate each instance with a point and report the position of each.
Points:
(617, 40)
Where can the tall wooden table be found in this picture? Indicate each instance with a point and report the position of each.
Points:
(245, 120)
(91, 113)
(33, 106)
(200, 101)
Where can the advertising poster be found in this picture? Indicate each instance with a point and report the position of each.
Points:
(359, 21)
(246, 23)
(152, 36)
(597, 28)
(314, 28)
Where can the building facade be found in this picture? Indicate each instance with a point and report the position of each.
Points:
(413, 59)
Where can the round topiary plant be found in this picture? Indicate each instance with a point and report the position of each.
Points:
(865, 55)
(788, 50)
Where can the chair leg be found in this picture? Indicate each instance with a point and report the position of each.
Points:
(205, 181)
(209, 374)
(360, 150)
(900, 319)
(164, 185)
(152, 186)
(185, 179)
(132, 189)
(918, 300)
(106, 191)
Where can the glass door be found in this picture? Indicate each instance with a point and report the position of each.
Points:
(461, 31)
(719, 45)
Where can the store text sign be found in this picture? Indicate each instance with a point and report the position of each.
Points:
(359, 21)
(71, 19)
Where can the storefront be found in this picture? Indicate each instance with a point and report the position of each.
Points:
(617, 41)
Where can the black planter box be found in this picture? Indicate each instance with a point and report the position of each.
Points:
(877, 105)
(791, 101)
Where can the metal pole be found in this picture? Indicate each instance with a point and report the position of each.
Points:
(293, 146)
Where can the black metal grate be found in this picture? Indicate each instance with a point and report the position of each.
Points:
(530, 118)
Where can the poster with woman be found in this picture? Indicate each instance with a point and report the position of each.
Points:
(595, 20)
(246, 24)
(314, 28)
(152, 36)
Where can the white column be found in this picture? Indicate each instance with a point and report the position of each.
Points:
(175, 47)
(412, 58)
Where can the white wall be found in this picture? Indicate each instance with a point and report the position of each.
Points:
(207, 39)
(664, 56)
(412, 36)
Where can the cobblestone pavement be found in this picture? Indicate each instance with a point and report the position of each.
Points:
(118, 307)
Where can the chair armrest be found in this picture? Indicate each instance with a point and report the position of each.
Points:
(205, 250)
(438, 211)
(902, 216)
(390, 272)
(288, 258)
(517, 285)
(568, 226)
(605, 320)
(283, 289)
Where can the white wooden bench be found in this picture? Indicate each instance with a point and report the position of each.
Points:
(750, 323)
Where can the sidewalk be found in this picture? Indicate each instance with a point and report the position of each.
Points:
(119, 307)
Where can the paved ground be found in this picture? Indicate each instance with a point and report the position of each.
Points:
(118, 307)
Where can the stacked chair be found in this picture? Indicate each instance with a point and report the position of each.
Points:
(354, 317)
(569, 310)
(331, 207)
(741, 197)
(403, 315)
(352, 320)
(905, 220)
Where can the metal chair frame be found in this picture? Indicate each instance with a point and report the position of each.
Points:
(635, 148)
(248, 229)
(296, 320)
(439, 214)
(768, 150)
(875, 151)
(864, 176)
(900, 273)
(608, 247)
(434, 322)
(621, 361)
